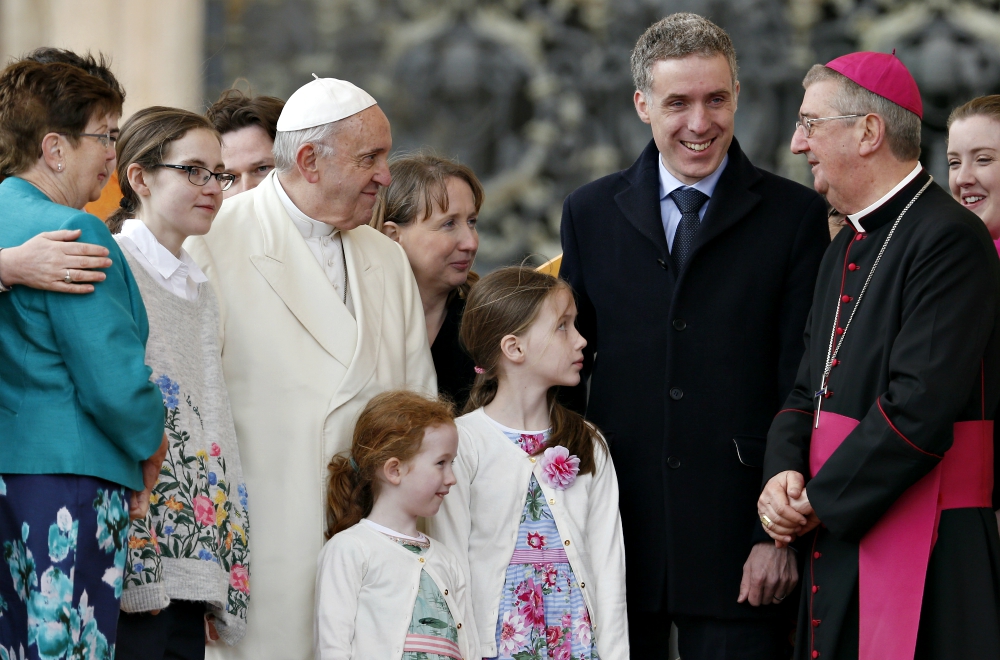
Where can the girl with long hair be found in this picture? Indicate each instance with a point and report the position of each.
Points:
(534, 512)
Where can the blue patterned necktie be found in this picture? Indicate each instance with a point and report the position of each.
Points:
(689, 201)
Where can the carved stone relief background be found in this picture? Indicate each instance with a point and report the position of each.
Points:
(536, 95)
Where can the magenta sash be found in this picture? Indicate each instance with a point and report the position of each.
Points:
(893, 555)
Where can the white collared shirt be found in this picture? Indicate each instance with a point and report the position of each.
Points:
(669, 213)
(326, 244)
(855, 218)
(180, 276)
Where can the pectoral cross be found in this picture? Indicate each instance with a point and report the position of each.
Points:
(821, 394)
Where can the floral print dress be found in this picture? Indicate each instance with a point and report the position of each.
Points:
(542, 610)
(63, 539)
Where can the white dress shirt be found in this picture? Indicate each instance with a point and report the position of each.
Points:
(180, 276)
(326, 244)
(855, 218)
(669, 213)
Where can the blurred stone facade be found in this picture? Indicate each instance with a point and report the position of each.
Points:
(536, 95)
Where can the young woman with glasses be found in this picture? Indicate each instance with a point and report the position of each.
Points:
(188, 557)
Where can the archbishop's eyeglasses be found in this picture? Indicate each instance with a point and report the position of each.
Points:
(200, 176)
(807, 124)
(106, 139)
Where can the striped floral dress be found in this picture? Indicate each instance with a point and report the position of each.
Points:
(542, 611)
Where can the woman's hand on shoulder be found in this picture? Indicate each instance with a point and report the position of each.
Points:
(44, 262)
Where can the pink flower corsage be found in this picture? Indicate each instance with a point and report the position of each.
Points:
(559, 467)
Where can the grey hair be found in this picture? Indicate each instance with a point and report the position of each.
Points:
(677, 36)
(902, 127)
(288, 143)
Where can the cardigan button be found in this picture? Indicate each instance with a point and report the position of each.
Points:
(566, 542)
(532, 459)
(421, 560)
(552, 501)
(445, 592)
(583, 585)
(459, 626)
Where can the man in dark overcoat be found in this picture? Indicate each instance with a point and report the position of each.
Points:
(694, 272)
(885, 445)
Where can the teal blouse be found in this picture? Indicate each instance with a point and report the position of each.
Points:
(75, 394)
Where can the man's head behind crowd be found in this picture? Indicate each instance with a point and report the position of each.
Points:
(247, 125)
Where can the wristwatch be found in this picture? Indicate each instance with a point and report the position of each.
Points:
(3, 289)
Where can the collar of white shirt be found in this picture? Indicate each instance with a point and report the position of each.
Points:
(855, 218)
(159, 257)
(308, 227)
(669, 183)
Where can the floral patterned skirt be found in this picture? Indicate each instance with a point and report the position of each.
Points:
(543, 615)
(63, 539)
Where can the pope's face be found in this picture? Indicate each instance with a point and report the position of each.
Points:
(358, 167)
(691, 108)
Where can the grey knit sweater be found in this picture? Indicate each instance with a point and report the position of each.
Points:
(193, 543)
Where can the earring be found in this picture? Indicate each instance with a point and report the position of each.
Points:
(59, 167)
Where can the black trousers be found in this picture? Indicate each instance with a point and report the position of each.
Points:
(705, 638)
(176, 633)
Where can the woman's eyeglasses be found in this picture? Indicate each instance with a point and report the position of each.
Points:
(200, 176)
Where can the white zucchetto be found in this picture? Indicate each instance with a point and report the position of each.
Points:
(322, 101)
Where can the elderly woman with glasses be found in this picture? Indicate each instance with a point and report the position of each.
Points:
(81, 425)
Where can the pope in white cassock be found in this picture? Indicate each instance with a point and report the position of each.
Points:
(319, 313)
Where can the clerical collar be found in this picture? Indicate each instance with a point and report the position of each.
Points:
(308, 227)
(670, 183)
(855, 218)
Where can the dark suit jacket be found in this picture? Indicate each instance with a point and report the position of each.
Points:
(688, 369)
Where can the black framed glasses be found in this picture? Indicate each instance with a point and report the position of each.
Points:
(106, 139)
(200, 176)
(807, 124)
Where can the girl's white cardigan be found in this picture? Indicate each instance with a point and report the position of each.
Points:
(481, 515)
(366, 586)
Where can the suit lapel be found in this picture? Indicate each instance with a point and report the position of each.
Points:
(368, 289)
(292, 271)
(640, 202)
(732, 199)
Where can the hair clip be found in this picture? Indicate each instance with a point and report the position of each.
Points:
(479, 370)
(354, 464)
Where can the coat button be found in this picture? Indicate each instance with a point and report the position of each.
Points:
(815, 588)
(815, 654)
(674, 462)
(817, 554)
(816, 623)
(840, 331)
(859, 237)
(676, 393)
(845, 299)
(834, 362)
(663, 264)
(852, 266)
(680, 324)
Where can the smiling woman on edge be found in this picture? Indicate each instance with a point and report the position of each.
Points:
(974, 159)
(430, 209)
(81, 425)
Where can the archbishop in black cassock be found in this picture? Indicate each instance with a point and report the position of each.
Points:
(921, 352)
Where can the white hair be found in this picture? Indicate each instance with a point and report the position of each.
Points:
(288, 143)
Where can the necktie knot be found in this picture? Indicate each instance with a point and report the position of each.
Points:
(688, 200)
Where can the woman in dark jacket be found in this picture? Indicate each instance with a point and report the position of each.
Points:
(430, 209)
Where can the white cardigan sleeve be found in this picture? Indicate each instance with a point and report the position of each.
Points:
(607, 547)
(341, 568)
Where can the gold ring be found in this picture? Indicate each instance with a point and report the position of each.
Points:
(766, 522)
